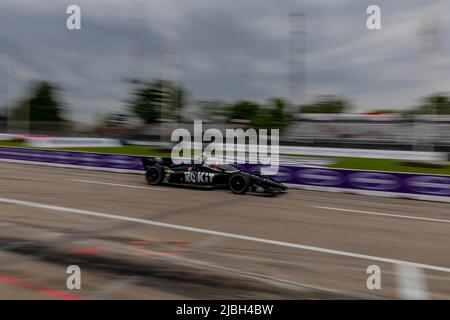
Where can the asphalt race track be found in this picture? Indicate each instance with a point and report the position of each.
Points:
(133, 241)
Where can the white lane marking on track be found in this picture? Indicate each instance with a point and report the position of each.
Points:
(115, 184)
(222, 234)
(411, 283)
(383, 214)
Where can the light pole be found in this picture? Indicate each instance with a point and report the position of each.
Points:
(297, 52)
(431, 42)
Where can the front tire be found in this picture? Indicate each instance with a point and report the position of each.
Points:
(154, 175)
(239, 183)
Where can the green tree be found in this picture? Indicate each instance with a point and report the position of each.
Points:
(243, 110)
(43, 105)
(434, 104)
(281, 118)
(158, 99)
(274, 117)
(326, 104)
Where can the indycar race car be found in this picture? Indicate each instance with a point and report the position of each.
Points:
(208, 175)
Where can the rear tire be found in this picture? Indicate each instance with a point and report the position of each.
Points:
(239, 183)
(154, 175)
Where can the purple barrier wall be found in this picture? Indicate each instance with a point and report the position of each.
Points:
(406, 183)
(88, 159)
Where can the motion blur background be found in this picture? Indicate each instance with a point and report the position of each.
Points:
(138, 69)
(227, 61)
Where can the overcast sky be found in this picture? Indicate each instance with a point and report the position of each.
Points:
(224, 49)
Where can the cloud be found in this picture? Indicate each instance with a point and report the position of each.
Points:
(227, 49)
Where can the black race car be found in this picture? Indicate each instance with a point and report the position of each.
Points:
(208, 176)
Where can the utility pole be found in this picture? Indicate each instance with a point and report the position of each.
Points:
(297, 53)
(431, 43)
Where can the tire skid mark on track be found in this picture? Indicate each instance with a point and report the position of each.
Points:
(123, 226)
(182, 275)
(42, 290)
